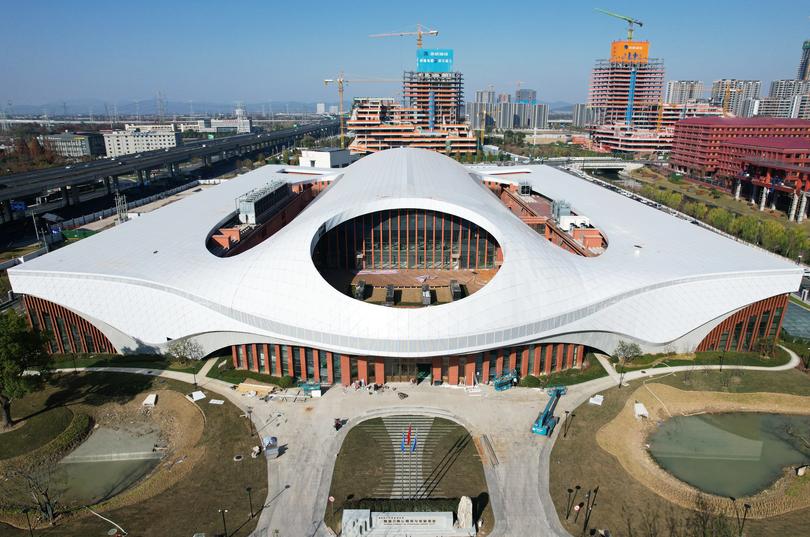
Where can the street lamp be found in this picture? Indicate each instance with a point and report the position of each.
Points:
(568, 504)
(565, 425)
(224, 526)
(250, 500)
(736, 511)
(28, 518)
(250, 419)
(746, 506)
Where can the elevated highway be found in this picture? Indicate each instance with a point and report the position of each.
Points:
(28, 186)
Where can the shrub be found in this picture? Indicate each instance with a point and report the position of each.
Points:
(530, 381)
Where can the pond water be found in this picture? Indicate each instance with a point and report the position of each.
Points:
(732, 454)
(106, 464)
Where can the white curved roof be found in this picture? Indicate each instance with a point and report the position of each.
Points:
(153, 277)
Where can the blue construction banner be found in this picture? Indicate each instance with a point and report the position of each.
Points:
(18, 206)
(434, 60)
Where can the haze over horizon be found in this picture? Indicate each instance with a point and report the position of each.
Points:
(256, 53)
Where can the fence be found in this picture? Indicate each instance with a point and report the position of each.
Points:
(82, 220)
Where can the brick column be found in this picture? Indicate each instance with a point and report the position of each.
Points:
(436, 369)
(485, 367)
(362, 368)
(537, 356)
(499, 363)
(452, 371)
(302, 360)
(330, 375)
(549, 357)
(580, 355)
(266, 351)
(569, 356)
(512, 358)
(524, 362)
(291, 359)
(558, 366)
(469, 370)
(345, 370)
(253, 350)
(233, 355)
(379, 370)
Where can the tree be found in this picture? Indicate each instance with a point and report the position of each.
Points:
(794, 242)
(719, 218)
(771, 235)
(185, 350)
(307, 141)
(626, 352)
(21, 349)
(747, 228)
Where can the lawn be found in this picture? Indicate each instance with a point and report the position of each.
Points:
(567, 377)
(578, 460)
(38, 429)
(147, 361)
(189, 505)
(223, 371)
(364, 472)
(646, 361)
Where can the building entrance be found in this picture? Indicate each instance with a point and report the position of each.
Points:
(406, 369)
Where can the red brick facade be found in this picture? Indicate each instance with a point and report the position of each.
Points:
(68, 332)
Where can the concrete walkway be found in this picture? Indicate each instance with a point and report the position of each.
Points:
(518, 478)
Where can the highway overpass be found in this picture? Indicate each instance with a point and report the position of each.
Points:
(26, 187)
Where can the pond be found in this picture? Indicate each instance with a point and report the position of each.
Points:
(106, 464)
(732, 454)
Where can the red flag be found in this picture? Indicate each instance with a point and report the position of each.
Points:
(408, 441)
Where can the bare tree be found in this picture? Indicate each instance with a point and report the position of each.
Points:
(626, 352)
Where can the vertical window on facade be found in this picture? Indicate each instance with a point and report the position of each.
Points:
(50, 332)
(763, 323)
(723, 340)
(493, 364)
(479, 365)
(777, 316)
(323, 367)
(88, 343)
(273, 367)
(749, 332)
(576, 354)
(736, 337)
(310, 363)
(285, 363)
(249, 356)
(76, 338)
(530, 367)
(262, 357)
(296, 362)
(542, 359)
(353, 367)
(60, 323)
(519, 359)
(336, 367)
(240, 358)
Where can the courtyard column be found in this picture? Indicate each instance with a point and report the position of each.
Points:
(802, 208)
(737, 190)
(763, 198)
(793, 204)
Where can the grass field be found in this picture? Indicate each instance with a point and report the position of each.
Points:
(622, 501)
(148, 361)
(365, 470)
(38, 429)
(188, 506)
(646, 361)
(237, 376)
(567, 377)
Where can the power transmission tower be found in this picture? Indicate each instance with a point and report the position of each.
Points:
(161, 106)
(120, 208)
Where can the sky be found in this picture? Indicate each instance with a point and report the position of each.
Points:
(261, 51)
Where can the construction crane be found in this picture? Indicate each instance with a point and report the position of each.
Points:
(420, 31)
(341, 81)
(628, 114)
(629, 20)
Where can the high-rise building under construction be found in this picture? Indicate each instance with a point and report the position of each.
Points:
(804, 63)
(437, 98)
(625, 87)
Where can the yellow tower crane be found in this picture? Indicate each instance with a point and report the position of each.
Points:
(629, 20)
(341, 81)
(419, 33)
